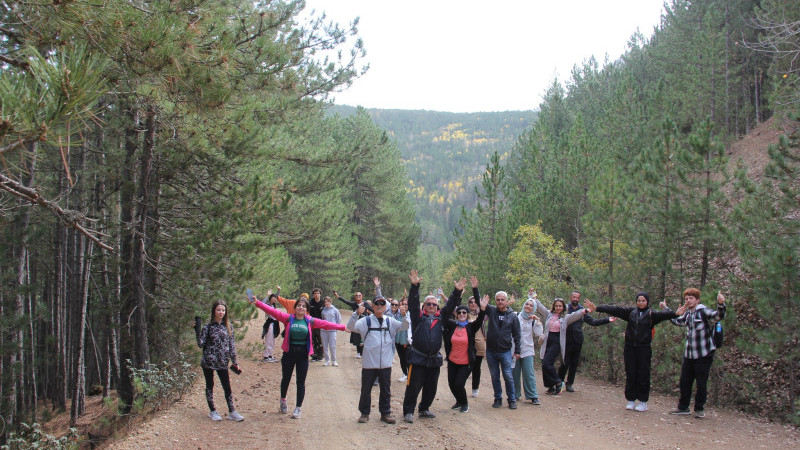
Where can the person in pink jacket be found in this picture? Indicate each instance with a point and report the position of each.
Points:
(296, 345)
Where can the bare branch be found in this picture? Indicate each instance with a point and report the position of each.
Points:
(69, 218)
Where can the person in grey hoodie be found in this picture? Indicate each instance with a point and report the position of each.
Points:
(330, 314)
(378, 333)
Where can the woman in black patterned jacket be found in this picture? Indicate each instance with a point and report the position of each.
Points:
(218, 344)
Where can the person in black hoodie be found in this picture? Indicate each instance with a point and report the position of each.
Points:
(424, 359)
(459, 346)
(317, 305)
(502, 329)
(638, 352)
(574, 344)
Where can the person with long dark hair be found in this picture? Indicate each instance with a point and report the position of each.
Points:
(218, 344)
(555, 338)
(297, 346)
(638, 351)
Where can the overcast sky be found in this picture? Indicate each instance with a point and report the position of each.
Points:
(488, 55)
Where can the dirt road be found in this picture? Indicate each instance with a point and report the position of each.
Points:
(592, 417)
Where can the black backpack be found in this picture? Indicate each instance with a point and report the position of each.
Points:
(717, 335)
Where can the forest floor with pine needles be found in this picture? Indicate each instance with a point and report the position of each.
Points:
(593, 416)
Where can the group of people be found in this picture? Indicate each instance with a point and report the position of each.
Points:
(416, 331)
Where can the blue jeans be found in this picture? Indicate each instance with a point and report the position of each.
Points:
(496, 362)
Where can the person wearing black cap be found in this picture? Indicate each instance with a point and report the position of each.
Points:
(638, 352)
(378, 333)
(424, 359)
(459, 346)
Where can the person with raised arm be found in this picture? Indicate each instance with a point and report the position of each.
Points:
(572, 353)
(402, 339)
(425, 359)
(219, 345)
(502, 345)
(699, 352)
(378, 333)
(480, 342)
(358, 300)
(296, 346)
(459, 346)
(530, 332)
(638, 351)
(555, 337)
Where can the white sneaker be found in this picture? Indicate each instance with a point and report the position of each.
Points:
(358, 356)
(631, 405)
(335, 364)
(403, 378)
(327, 363)
(214, 415)
(641, 407)
(233, 415)
(296, 413)
(475, 393)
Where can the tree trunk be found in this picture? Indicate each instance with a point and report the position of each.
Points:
(79, 396)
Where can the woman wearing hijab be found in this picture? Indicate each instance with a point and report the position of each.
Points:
(530, 332)
(638, 352)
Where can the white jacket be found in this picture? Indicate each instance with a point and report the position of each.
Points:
(378, 339)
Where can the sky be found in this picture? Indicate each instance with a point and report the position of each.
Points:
(480, 56)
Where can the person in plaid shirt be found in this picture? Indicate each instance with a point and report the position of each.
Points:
(699, 353)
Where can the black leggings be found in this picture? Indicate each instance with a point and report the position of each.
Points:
(225, 381)
(476, 372)
(457, 375)
(295, 357)
(402, 353)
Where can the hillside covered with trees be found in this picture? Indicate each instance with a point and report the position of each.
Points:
(157, 156)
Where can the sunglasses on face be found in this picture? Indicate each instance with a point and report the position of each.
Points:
(430, 304)
(395, 304)
(461, 312)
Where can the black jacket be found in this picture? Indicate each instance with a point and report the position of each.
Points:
(428, 330)
(502, 328)
(575, 329)
(639, 332)
(276, 330)
(472, 328)
(316, 308)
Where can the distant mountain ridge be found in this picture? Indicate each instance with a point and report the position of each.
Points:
(445, 154)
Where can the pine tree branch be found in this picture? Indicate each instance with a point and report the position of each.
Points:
(69, 218)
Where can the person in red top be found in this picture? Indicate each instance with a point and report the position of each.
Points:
(459, 345)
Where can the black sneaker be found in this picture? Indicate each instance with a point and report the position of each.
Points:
(536, 401)
(426, 414)
(569, 388)
(558, 389)
(456, 406)
(497, 403)
(512, 405)
(680, 412)
(551, 390)
(465, 407)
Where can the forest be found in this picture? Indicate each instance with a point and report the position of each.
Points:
(159, 155)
